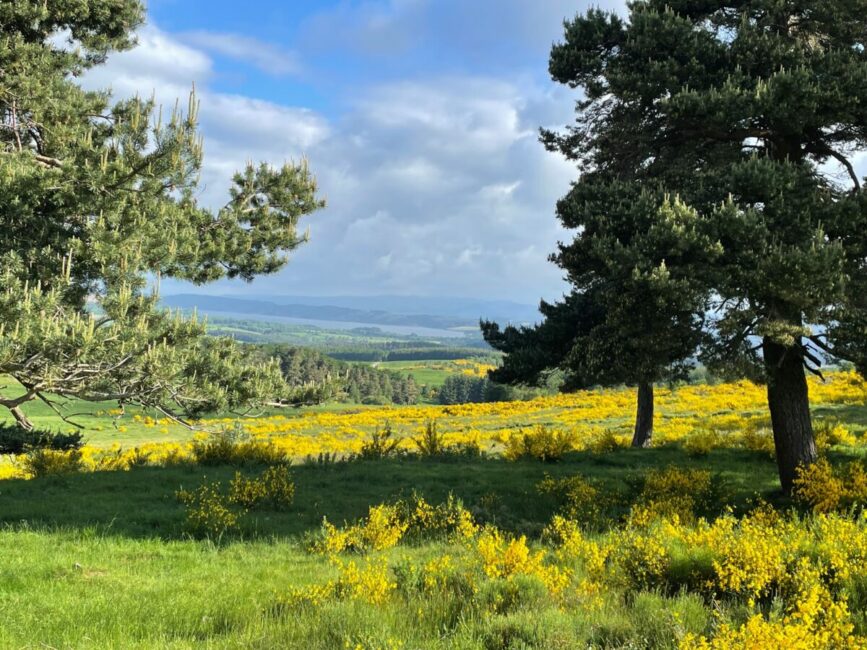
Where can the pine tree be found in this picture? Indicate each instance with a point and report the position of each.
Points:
(749, 112)
(636, 312)
(97, 197)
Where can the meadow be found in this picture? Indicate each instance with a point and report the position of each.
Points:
(434, 373)
(511, 525)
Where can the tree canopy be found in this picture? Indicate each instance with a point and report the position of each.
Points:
(749, 113)
(100, 197)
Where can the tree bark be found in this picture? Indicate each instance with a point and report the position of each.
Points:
(789, 403)
(644, 416)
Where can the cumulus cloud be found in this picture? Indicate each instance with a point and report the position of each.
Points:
(160, 64)
(434, 187)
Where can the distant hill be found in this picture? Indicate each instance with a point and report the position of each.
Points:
(409, 311)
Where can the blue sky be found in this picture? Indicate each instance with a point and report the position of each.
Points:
(419, 118)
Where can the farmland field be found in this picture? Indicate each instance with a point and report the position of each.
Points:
(434, 373)
(477, 544)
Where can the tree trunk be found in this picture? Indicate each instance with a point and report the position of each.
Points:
(644, 416)
(789, 404)
(21, 419)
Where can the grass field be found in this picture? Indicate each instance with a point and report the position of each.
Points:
(100, 560)
(107, 559)
(425, 373)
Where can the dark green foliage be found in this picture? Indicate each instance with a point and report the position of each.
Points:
(466, 389)
(15, 440)
(431, 442)
(351, 382)
(749, 113)
(382, 444)
(394, 352)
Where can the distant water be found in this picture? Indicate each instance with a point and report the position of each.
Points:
(405, 330)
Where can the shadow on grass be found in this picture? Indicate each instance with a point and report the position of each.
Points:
(855, 416)
(142, 503)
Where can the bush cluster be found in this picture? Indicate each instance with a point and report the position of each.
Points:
(211, 512)
(15, 440)
(541, 443)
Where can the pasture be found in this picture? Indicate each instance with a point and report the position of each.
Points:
(477, 544)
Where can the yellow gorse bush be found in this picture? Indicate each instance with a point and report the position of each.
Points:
(542, 443)
(208, 511)
(579, 499)
(504, 557)
(814, 621)
(371, 583)
(802, 563)
(830, 433)
(675, 491)
(597, 420)
(826, 488)
(383, 528)
(274, 488)
(387, 524)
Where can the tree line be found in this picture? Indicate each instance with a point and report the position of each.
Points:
(392, 352)
(355, 383)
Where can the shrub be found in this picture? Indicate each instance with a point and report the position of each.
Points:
(758, 438)
(372, 584)
(701, 442)
(826, 488)
(677, 491)
(386, 524)
(209, 513)
(381, 444)
(119, 460)
(39, 463)
(233, 446)
(520, 593)
(542, 443)
(431, 442)
(449, 519)
(15, 440)
(641, 557)
(383, 528)
(607, 441)
(578, 498)
(324, 459)
(830, 433)
(274, 488)
(507, 557)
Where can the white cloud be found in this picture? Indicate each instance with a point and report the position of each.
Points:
(482, 31)
(265, 56)
(159, 64)
(433, 188)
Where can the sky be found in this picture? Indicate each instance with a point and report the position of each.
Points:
(419, 119)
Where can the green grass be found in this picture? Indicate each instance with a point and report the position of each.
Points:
(100, 560)
(425, 373)
(141, 502)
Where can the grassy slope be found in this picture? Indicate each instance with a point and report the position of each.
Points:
(99, 560)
